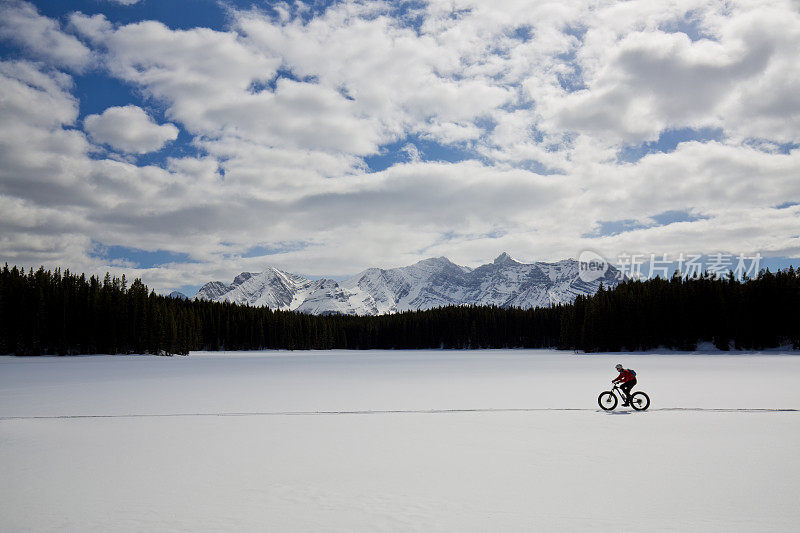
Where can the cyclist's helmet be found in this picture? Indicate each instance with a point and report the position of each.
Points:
(619, 367)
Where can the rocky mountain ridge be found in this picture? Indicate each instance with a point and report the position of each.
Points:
(427, 284)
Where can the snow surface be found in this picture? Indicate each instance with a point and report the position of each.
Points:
(479, 441)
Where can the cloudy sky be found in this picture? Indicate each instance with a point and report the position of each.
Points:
(189, 140)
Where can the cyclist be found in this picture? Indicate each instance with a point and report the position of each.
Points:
(627, 380)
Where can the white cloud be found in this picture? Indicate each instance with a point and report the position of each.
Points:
(41, 36)
(129, 129)
(92, 27)
(284, 110)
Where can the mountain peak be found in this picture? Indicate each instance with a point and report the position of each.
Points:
(432, 282)
(241, 278)
(505, 259)
(435, 261)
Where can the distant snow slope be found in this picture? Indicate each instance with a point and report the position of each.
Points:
(427, 284)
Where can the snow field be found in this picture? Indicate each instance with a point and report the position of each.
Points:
(663, 470)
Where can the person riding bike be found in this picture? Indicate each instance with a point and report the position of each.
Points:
(626, 380)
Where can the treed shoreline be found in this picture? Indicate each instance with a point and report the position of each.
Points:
(46, 312)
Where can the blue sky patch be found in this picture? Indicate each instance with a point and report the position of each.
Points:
(179, 148)
(273, 249)
(140, 258)
(690, 26)
(410, 13)
(572, 81)
(523, 33)
(608, 228)
(97, 92)
(538, 167)
(667, 142)
(281, 73)
(765, 145)
(671, 217)
(428, 150)
(177, 14)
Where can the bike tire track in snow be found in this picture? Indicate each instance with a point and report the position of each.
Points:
(393, 411)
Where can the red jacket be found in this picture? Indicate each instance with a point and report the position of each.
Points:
(624, 376)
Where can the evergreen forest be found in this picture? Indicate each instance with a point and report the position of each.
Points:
(57, 312)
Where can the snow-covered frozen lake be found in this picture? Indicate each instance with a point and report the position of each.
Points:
(398, 441)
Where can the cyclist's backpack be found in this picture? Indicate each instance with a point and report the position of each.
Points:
(632, 372)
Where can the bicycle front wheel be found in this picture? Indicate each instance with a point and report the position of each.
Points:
(607, 401)
(640, 401)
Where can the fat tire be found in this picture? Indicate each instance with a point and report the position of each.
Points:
(610, 405)
(645, 399)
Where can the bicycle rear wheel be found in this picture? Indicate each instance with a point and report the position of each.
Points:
(640, 401)
(607, 401)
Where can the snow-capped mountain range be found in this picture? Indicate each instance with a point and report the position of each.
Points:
(427, 284)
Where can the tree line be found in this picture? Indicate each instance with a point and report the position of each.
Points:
(57, 312)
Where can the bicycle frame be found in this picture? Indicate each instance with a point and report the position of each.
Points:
(620, 393)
